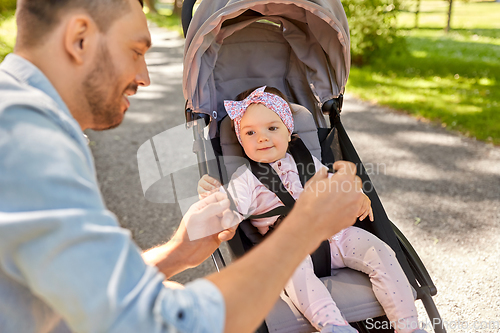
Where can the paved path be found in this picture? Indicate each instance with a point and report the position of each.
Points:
(441, 189)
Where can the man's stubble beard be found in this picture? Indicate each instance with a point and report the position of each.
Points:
(99, 84)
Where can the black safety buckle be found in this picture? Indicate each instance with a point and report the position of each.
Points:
(333, 108)
(192, 116)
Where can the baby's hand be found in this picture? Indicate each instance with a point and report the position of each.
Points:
(207, 185)
(366, 209)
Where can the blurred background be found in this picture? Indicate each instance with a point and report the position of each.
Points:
(436, 59)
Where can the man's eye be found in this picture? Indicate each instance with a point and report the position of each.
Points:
(138, 53)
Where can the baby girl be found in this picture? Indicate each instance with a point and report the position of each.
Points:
(263, 124)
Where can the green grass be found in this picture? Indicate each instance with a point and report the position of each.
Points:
(165, 19)
(465, 15)
(7, 33)
(449, 78)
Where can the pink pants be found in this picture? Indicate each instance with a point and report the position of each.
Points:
(360, 250)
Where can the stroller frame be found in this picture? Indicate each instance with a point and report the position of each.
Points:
(408, 258)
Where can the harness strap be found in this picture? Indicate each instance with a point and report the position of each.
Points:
(270, 179)
(268, 176)
(303, 159)
(278, 211)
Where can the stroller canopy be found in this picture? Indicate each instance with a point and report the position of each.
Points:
(300, 47)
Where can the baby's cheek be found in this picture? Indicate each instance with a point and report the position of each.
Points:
(282, 148)
(248, 151)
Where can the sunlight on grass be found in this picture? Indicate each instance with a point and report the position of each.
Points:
(465, 15)
(449, 78)
(419, 54)
(463, 104)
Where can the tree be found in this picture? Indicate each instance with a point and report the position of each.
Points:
(416, 14)
(447, 29)
(177, 8)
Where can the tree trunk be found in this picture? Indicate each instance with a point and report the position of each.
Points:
(416, 14)
(177, 8)
(449, 17)
(151, 6)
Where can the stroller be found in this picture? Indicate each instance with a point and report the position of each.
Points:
(302, 48)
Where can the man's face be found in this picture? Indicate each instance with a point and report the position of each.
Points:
(119, 68)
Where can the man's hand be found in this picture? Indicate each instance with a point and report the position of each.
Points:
(207, 217)
(330, 204)
(180, 252)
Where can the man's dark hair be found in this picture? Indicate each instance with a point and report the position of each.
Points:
(37, 18)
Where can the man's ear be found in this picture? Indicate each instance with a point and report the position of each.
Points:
(80, 38)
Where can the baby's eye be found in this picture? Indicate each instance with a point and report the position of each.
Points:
(250, 133)
(273, 128)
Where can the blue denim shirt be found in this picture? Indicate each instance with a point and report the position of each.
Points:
(62, 253)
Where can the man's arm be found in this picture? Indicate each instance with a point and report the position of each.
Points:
(58, 241)
(181, 253)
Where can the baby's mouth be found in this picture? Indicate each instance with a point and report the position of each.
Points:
(267, 148)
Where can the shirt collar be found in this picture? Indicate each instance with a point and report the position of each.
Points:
(25, 72)
(285, 164)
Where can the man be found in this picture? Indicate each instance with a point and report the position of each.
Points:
(63, 257)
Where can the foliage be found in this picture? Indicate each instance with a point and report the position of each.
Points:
(166, 19)
(7, 5)
(7, 33)
(372, 29)
(453, 79)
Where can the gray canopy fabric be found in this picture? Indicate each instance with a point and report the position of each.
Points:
(299, 47)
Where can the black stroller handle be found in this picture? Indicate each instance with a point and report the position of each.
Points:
(187, 14)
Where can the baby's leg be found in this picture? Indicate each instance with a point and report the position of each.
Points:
(360, 250)
(312, 298)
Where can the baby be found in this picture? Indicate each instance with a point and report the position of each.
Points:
(263, 124)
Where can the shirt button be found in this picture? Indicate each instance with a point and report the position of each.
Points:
(180, 315)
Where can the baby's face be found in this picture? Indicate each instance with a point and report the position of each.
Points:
(264, 136)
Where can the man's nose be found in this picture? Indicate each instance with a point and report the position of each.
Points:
(142, 78)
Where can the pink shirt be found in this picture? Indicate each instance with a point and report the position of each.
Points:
(252, 197)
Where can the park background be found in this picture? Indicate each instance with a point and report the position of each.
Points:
(440, 185)
(415, 56)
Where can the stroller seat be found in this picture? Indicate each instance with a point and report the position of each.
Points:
(301, 47)
(351, 290)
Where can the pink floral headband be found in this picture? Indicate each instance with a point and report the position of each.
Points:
(236, 109)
